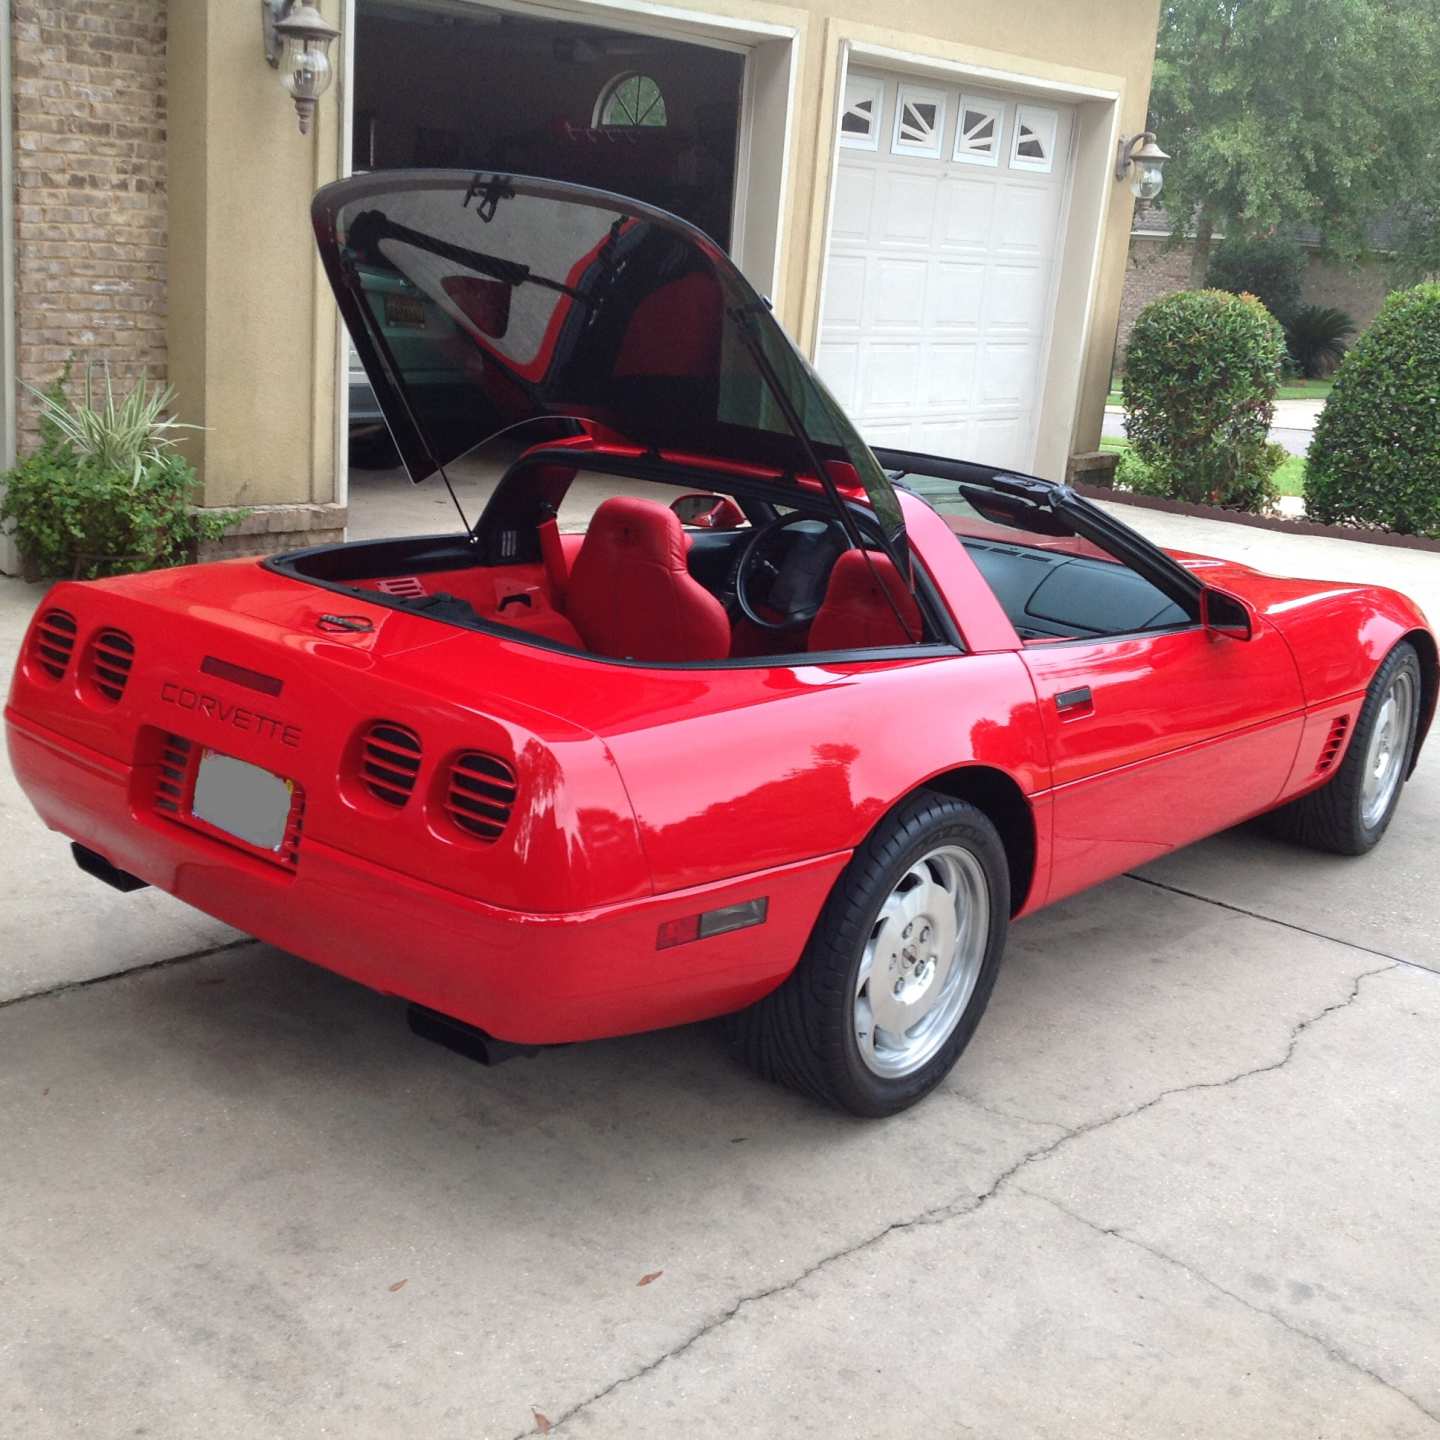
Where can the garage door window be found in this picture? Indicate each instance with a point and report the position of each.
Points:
(919, 119)
(631, 100)
(1034, 138)
(979, 131)
(860, 123)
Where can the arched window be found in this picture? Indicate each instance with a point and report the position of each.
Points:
(631, 99)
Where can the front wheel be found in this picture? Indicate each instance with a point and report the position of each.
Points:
(899, 967)
(1354, 807)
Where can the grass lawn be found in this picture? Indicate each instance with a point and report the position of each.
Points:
(1304, 390)
(1289, 478)
(1289, 390)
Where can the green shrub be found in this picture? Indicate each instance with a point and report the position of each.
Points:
(105, 493)
(1375, 456)
(1316, 339)
(1269, 269)
(1201, 373)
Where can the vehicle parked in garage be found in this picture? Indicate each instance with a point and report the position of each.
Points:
(789, 732)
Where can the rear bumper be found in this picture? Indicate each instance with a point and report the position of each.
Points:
(529, 978)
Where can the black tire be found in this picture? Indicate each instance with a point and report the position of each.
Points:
(1332, 817)
(803, 1034)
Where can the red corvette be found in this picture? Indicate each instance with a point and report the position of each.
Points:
(713, 710)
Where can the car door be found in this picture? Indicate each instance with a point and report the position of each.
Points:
(1159, 739)
(1160, 729)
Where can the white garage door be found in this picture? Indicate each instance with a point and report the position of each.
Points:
(943, 246)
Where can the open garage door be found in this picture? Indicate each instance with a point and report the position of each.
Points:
(457, 86)
(939, 286)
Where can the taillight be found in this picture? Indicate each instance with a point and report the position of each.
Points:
(480, 794)
(52, 642)
(390, 761)
(109, 659)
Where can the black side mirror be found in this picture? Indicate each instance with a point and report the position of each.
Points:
(1225, 614)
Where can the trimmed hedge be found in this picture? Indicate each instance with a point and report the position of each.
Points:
(1375, 456)
(1200, 378)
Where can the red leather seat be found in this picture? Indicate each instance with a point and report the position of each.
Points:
(630, 594)
(856, 615)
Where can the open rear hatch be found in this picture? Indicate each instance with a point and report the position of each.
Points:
(482, 303)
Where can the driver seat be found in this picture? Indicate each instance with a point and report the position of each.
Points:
(631, 595)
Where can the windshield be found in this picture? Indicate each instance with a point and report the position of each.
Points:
(481, 303)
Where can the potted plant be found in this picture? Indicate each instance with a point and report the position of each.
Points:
(106, 492)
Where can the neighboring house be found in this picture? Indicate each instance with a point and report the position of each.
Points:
(1156, 268)
(927, 195)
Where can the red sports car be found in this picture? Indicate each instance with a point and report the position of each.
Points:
(713, 710)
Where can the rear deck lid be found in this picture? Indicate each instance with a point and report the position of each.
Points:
(480, 302)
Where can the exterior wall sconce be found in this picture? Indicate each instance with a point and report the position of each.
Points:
(297, 44)
(1147, 157)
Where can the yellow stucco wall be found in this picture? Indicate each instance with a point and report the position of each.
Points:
(251, 328)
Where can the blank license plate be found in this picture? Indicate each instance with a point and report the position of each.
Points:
(242, 800)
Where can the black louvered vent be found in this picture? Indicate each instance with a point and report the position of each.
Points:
(112, 653)
(390, 761)
(174, 777)
(52, 642)
(1333, 743)
(480, 794)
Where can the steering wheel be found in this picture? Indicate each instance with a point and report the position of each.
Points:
(767, 560)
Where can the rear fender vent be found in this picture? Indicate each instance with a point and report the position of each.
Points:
(111, 655)
(52, 642)
(1334, 743)
(480, 794)
(408, 587)
(389, 761)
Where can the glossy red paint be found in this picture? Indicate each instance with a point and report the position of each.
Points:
(648, 793)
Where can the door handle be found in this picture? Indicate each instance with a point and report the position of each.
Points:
(1075, 702)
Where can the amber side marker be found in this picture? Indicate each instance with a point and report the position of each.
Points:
(239, 675)
(739, 916)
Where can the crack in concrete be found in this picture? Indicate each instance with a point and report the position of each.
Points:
(1274, 920)
(964, 1207)
(1114, 1232)
(148, 968)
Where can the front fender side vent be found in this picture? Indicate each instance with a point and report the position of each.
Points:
(1334, 743)
(390, 761)
(480, 794)
(52, 642)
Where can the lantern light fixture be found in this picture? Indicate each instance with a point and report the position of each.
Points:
(297, 44)
(1148, 160)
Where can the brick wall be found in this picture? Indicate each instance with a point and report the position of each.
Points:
(90, 218)
(1150, 272)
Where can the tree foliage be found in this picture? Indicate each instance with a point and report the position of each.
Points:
(1269, 269)
(1287, 113)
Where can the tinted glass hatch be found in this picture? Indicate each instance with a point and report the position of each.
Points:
(482, 302)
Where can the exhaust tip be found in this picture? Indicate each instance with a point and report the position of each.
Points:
(98, 866)
(463, 1039)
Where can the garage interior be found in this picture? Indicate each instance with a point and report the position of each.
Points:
(461, 86)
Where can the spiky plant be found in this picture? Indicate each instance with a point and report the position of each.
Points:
(123, 436)
(1316, 338)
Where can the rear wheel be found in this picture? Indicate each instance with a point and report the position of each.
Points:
(1352, 810)
(899, 968)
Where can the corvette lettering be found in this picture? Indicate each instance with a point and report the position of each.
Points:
(228, 713)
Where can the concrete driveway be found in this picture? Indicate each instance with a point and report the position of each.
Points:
(1184, 1183)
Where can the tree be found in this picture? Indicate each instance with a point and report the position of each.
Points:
(1290, 113)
